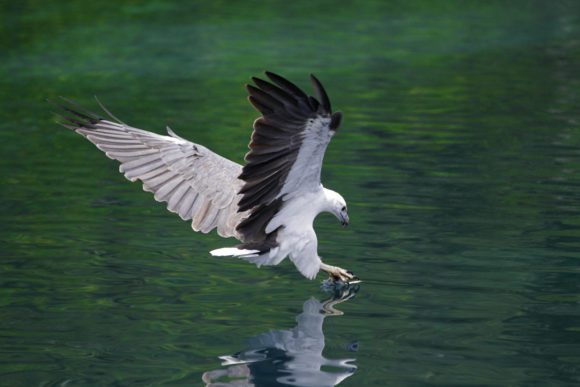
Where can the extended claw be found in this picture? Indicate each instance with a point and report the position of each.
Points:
(343, 275)
(340, 274)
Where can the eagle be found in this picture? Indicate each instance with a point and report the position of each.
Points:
(269, 204)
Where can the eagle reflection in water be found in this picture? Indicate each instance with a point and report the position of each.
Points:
(290, 357)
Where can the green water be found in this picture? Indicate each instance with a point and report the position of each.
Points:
(459, 157)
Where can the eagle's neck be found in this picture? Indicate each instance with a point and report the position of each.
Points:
(301, 210)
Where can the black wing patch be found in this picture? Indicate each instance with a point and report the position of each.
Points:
(274, 146)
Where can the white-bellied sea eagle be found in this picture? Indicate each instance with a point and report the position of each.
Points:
(269, 204)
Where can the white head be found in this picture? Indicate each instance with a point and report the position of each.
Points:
(335, 204)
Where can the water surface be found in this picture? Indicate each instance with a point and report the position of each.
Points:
(459, 157)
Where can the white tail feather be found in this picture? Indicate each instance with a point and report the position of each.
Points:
(234, 252)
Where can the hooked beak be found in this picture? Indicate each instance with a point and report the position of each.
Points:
(344, 219)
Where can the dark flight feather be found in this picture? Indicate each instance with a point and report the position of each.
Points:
(325, 102)
(275, 143)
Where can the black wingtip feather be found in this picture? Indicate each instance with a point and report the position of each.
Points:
(259, 106)
(324, 100)
(275, 91)
(78, 110)
(81, 118)
(287, 85)
(264, 98)
(314, 104)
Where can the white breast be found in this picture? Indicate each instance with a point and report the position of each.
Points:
(297, 238)
(299, 211)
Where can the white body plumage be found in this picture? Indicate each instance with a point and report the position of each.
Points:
(296, 237)
(269, 204)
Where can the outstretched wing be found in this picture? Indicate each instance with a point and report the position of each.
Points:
(196, 183)
(286, 149)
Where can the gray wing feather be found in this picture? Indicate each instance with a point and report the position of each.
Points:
(196, 183)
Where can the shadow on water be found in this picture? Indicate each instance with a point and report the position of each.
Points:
(290, 357)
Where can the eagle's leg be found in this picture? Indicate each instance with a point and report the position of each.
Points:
(338, 274)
